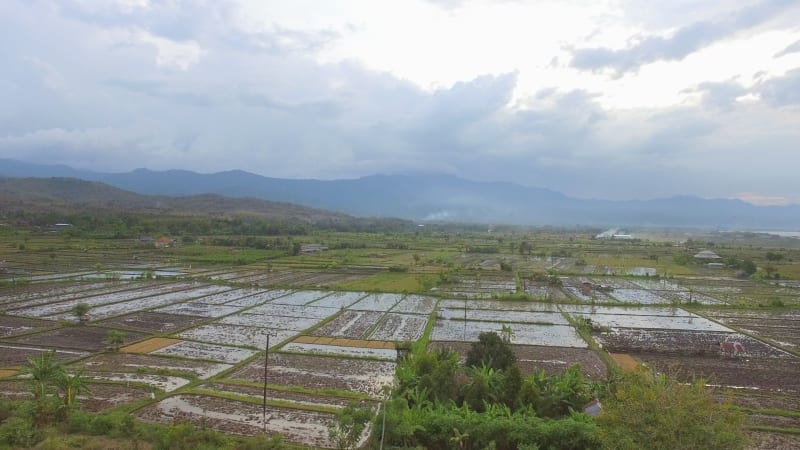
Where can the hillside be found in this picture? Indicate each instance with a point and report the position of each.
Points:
(436, 197)
(69, 195)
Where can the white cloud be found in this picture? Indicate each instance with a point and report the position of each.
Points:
(170, 54)
(343, 89)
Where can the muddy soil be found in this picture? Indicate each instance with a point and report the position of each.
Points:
(153, 322)
(12, 326)
(761, 374)
(321, 372)
(681, 342)
(77, 337)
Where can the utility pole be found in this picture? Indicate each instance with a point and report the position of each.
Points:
(266, 365)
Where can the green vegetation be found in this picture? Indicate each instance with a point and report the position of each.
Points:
(647, 410)
(441, 404)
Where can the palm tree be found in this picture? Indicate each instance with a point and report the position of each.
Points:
(44, 372)
(72, 386)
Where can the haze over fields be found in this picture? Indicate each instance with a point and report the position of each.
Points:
(593, 99)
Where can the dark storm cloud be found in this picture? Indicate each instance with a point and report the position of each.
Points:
(683, 42)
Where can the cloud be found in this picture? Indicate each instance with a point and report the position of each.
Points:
(793, 48)
(94, 95)
(782, 91)
(681, 43)
(720, 95)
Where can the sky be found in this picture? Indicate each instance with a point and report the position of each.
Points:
(613, 99)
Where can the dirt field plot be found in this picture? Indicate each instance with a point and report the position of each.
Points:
(666, 311)
(153, 322)
(682, 342)
(316, 312)
(131, 362)
(656, 285)
(523, 334)
(321, 372)
(149, 345)
(339, 350)
(166, 383)
(763, 374)
(32, 291)
(201, 350)
(17, 355)
(552, 360)
(415, 304)
(78, 337)
(639, 296)
(139, 304)
(60, 307)
(199, 309)
(594, 296)
(226, 296)
(300, 298)
(51, 294)
(272, 322)
(691, 323)
(339, 299)
(498, 305)
(488, 315)
(753, 399)
(12, 326)
(782, 327)
(105, 396)
(237, 335)
(487, 286)
(540, 291)
(614, 282)
(377, 302)
(258, 299)
(350, 324)
(300, 398)
(400, 327)
(308, 428)
(760, 440)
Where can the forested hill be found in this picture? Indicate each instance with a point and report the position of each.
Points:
(58, 199)
(437, 197)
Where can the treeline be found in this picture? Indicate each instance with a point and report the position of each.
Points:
(120, 225)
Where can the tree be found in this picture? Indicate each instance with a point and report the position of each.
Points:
(774, 257)
(491, 351)
(657, 411)
(748, 266)
(351, 421)
(115, 339)
(81, 311)
(72, 386)
(44, 372)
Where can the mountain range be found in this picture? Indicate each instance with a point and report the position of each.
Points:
(434, 197)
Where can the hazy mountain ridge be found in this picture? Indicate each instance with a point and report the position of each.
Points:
(66, 195)
(437, 197)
